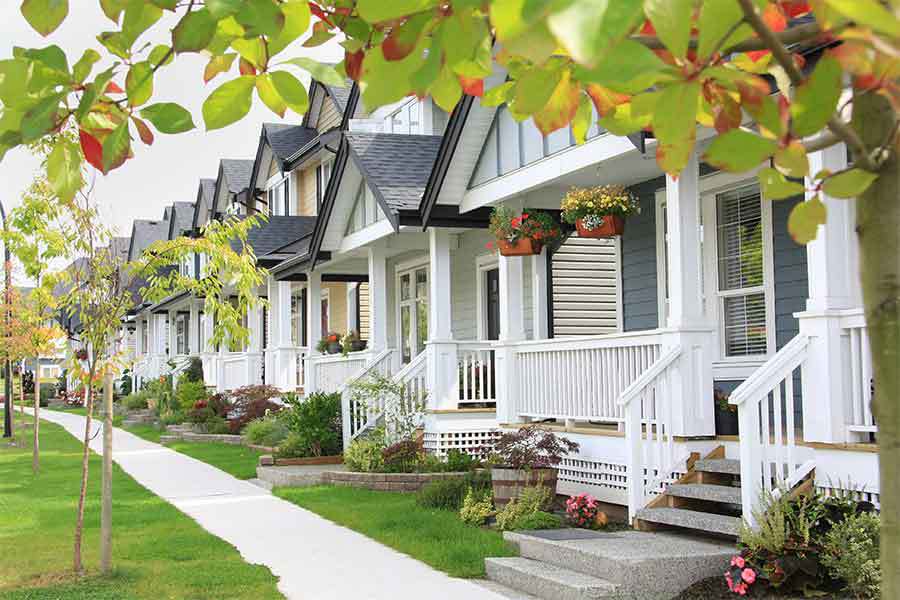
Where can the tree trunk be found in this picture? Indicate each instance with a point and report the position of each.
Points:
(106, 497)
(22, 390)
(85, 455)
(878, 227)
(36, 451)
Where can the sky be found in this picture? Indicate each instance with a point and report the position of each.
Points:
(169, 170)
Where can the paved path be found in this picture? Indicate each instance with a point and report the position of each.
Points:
(313, 558)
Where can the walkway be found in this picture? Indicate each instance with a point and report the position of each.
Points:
(313, 558)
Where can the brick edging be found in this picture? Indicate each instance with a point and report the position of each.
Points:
(392, 482)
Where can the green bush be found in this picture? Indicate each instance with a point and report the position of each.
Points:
(477, 507)
(851, 553)
(317, 421)
(194, 372)
(519, 510)
(268, 431)
(135, 401)
(539, 520)
(214, 425)
(188, 393)
(459, 461)
(292, 446)
(447, 494)
(365, 454)
(48, 391)
(172, 417)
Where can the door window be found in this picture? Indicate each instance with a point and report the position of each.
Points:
(492, 278)
(413, 295)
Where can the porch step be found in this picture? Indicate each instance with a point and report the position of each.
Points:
(726, 466)
(703, 491)
(547, 581)
(692, 519)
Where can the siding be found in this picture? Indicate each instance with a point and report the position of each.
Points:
(364, 318)
(585, 294)
(306, 196)
(639, 294)
(337, 306)
(791, 274)
(329, 116)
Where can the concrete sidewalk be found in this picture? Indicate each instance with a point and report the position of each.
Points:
(313, 558)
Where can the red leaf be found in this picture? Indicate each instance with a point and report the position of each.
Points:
(395, 47)
(317, 10)
(774, 17)
(472, 86)
(143, 131)
(647, 28)
(246, 67)
(795, 8)
(92, 149)
(353, 64)
(112, 88)
(605, 100)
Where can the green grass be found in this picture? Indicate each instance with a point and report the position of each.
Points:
(158, 551)
(436, 537)
(151, 433)
(238, 461)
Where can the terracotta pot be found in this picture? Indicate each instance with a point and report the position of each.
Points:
(509, 483)
(521, 247)
(610, 226)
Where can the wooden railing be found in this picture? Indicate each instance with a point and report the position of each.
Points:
(768, 443)
(359, 417)
(581, 379)
(862, 382)
(477, 373)
(333, 370)
(647, 408)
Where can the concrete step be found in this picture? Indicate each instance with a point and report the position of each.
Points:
(547, 581)
(503, 591)
(727, 466)
(659, 564)
(692, 519)
(703, 491)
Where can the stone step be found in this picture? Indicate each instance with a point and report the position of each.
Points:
(728, 466)
(657, 563)
(547, 581)
(503, 591)
(703, 491)
(692, 519)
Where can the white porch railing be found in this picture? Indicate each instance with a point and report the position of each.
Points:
(477, 373)
(240, 369)
(768, 445)
(583, 378)
(359, 417)
(332, 371)
(858, 358)
(652, 454)
(178, 365)
(300, 367)
(210, 369)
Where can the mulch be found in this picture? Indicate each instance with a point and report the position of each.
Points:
(715, 588)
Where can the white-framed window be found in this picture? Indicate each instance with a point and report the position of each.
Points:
(483, 265)
(323, 176)
(181, 334)
(326, 311)
(278, 195)
(365, 210)
(412, 309)
(405, 119)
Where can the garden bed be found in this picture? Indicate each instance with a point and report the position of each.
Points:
(268, 460)
(386, 482)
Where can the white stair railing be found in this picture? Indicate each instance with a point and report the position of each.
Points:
(331, 372)
(767, 428)
(652, 455)
(860, 419)
(357, 416)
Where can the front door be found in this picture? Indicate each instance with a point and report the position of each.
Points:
(413, 294)
(492, 285)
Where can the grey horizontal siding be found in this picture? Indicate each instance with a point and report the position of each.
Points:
(791, 274)
(639, 294)
(585, 295)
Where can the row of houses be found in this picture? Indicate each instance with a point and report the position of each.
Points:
(702, 319)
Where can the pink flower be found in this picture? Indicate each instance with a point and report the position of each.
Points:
(729, 581)
(741, 588)
(738, 561)
(748, 575)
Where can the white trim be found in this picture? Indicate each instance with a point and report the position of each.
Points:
(483, 264)
(366, 235)
(410, 267)
(662, 299)
(324, 295)
(620, 302)
(273, 182)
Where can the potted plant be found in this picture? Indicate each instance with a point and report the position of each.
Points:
(726, 414)
(330, 344)
(353, 343)
(525, 458)
(522, 235)
(600, 211)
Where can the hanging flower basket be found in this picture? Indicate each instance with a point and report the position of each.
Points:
(521, 247)
(599, 212)
(522, 235)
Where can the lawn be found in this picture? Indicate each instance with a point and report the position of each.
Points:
(436, 537)
(158, 551)
(238, 461)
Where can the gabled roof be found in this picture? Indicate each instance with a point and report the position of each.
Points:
(236, 174)
(182, 219)
(275, 233)
(341, 95)
(285, 140)
(206, 195)
(143, 233)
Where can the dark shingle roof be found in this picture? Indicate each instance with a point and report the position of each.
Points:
(340, 94)
(182, 219)
(398, 165)
(285, 140)
(237, 174)
(277, 232)
(206, 194)
(144, 233)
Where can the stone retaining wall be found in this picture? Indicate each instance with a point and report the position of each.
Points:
(386, 482)
(222, 438)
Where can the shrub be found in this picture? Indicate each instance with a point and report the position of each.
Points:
(135, 401)
(447, 494)
(292, 446)
(459, 461)
(194, 371)
(215, 425)
(124, 383)
(249, 403)
(532, 448)
(188, 393)
(582, 511)
(172, 417)
(28, 382)
(851, 553)
(539, 520)
(532, 500)
(48, 390)
(402, 457)
(477, 507)
(268, 431)
(364, 454)
(317, 423)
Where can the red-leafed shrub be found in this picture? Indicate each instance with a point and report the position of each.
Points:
(249, 403)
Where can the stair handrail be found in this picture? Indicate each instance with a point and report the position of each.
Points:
(405, 375)
(787, 359)
(646, 378)
(348, 410)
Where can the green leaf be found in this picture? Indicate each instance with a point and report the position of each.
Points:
(51, 57)
(716, 19)
(424, 77)
(623, 120)
(85, 65)
(113, 9)
(384, 82)
(792, 160)
(64, 170)
(376, 11)
(816, 98)
(168, 117)
(629, 67)
(220, 9)
(252, 50)
(739, 150)
(296, 22)
(139, 83)
(159, 53)
(776, 186)
(805, 218)
(320, 35)
(218, 64)
(45, 15)
(672, 21)
(497, 95)
(533, 89)
(269, 95)
(14, 82)
(588, 28)
(870, 13)
(139, 17)
(116, 148)
(166, 4)
(561, 107)
(320, 72)
(582, 121)
(849, 183)
(41, 118)
(675, 125)
(291, 91)
(446, 90)
(261, 17)
(194, 32)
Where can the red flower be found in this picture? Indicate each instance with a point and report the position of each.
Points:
(489, 245)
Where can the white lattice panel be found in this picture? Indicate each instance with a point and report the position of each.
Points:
(473, 442)
(606, 481)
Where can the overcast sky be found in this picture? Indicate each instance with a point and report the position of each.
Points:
(169, 170)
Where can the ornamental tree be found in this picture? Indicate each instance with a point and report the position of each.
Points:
(664, 67)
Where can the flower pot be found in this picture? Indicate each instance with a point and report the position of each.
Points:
(726, 422)
(358, 345)
(509, 483)
(521, 247)
(334, 348)
(610, 226)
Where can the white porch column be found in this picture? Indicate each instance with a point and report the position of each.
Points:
(254, 346)
(692, 397)
(378, 305)
(194, 329)
(443, 381)
(834, 286)
(173, 346)
(540, 304)
(313, 327)
(280, 356)
(352, 316)
(512, 329)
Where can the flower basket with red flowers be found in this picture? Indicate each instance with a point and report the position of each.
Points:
(331, 344)
(522, 235)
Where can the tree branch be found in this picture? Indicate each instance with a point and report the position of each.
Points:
(793, 35)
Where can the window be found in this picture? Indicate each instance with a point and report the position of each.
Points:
(323, 175)
(325, 313)
(298, 318)
(181, 334)
(413, 294)
(740, 271)
(406, 119)
(365, 210)
(279, 197)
